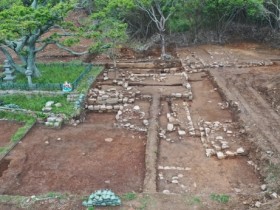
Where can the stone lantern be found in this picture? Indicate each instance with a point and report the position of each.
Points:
(8, 72)
(28, 74)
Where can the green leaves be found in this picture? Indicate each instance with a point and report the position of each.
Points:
(20, 20)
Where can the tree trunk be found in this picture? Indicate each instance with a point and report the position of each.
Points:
(163, 52)
(31, 56)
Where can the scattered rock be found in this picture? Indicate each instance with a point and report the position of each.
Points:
(219, 138)
(58, 105)
(47, 142)
(108, 139)
(258, 204)
(146, 122)
(263, 187)
(58, 139)
(49, 103)
(180, 175)
(240, 151)
(175, 181)
(210, 152)
(220, 155)
(274, 195)
(136, 108)
(181, 132)
(230, 154)
(170, 127)
(166, 192)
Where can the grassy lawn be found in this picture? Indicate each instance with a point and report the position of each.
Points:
(37, 102)
(54, 73)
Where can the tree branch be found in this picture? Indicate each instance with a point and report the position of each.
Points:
(69, 50)
(11, 60)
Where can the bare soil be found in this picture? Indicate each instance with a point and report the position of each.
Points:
(7, 131)
(81, 162)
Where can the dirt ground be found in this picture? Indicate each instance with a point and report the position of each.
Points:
(153, 139)
(7, 130)
(80, 162)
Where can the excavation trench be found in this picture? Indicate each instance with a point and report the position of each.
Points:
(151, 153)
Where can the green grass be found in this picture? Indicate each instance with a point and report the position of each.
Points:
(55, 73)
(144, 201)
(19, 134)
(22, 130)
(194, 201)
(37, 102)
(129, 196)
(88, 79)
(220, 198)
(273, 176)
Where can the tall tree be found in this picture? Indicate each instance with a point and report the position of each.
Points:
(159, 11)
(24, 22)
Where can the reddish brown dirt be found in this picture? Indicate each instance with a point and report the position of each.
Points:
(80, 163)
(6, 131)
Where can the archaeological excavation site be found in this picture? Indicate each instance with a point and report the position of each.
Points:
(198, 131)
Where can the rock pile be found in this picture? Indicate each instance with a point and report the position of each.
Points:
(129, 113)
(54, 121)
(110, 99)
(49, 105)
(103, 198)
(217, 145)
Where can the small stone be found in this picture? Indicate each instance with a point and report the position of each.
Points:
(210, 152)
(181, 132)
(58, 139)
(237, 190)
(240, 151)
(136, 108)
(263, 187)
(219, 138)
(180, 168)
(58, 105)
(47, 142)
(107, 181)
(146, 122)
(274, 195)
(49, 103)
(180, 175)
(175, 181)
(166, 192)
(108, 139)
(220, 155)
(225, 146)
(175, 177)
(230, 154)
(217, 148)
(229, 132)
(170, 127)
(258, 204)
(47, 109)
(57, 124)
